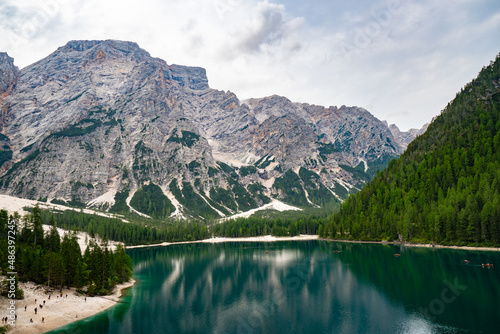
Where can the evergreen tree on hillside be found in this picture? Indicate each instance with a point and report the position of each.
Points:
(446, 187)
(53, 240)
(4, 221)
(71, 255)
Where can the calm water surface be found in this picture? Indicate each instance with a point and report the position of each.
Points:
(304, 287)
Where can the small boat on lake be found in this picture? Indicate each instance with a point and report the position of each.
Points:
(397, 255)
(466, 261)
(487, 265)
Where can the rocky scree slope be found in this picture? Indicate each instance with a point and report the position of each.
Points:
(104, 124)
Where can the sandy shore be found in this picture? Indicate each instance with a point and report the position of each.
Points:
(57, 311)
(264, 238)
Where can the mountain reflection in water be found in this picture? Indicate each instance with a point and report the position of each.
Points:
(304, 287)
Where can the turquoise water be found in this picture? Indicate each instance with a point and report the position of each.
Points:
(304, 287)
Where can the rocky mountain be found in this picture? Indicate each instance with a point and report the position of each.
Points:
(8, 73)
(8, 76)
(104, 124)
(405, 138)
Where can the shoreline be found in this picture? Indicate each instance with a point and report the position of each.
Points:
(57, 311)
(473, 248)
(270, 238)
(263, 238)
(489, 249)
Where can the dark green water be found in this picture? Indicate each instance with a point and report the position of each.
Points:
(304, 287)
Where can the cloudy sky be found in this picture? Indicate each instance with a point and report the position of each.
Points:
(403, 60)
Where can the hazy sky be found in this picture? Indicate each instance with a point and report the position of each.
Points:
(403, 60)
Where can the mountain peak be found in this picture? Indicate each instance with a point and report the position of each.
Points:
(101, 49)
(84, 45)
(405, 138)
(80, 45)
(194, 78)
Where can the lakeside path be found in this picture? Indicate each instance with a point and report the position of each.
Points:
(57, 311)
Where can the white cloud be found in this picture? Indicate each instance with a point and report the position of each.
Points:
(265, 29)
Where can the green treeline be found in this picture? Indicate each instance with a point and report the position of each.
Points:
(446, 187)
(45, 258)
(151, 231)
(253, 226)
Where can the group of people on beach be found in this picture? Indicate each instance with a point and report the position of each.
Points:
(36, 309)
(40, 306)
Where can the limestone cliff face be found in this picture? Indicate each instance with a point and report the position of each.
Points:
(8, 73)
(97, 120)
(8, 77)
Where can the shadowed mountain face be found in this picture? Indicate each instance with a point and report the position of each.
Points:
(96, 121)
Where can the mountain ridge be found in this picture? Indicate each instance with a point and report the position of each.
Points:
(104, 117)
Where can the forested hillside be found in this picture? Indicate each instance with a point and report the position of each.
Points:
(46, 258)
(445, 188)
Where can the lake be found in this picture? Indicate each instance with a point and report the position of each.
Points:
(304, 287)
